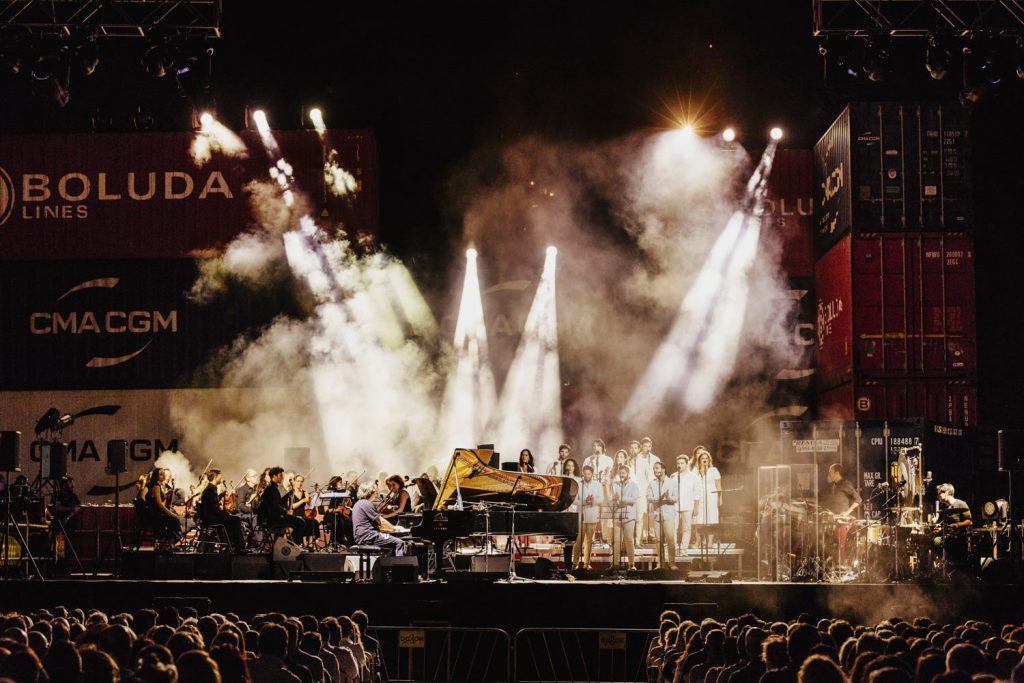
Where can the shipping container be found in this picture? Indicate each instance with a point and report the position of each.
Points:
(143, 195)
(948, 400)
(867, 449)
(789, 210)
(893, 167)
(896, 305)
(114, 324)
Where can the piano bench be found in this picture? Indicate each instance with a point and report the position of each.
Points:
(365, 552)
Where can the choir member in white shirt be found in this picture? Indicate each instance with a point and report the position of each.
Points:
(625, 494)
(688, 492)
(661, 501)
(589, 496)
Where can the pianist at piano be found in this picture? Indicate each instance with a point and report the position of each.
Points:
(369, 527)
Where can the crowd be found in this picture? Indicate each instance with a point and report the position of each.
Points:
(170, 645)
(746, 649)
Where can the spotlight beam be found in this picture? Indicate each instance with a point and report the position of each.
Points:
(698, 354)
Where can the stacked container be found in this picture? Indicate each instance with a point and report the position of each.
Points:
(894, 280)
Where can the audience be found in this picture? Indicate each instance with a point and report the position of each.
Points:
(745, 649)
(180, 646)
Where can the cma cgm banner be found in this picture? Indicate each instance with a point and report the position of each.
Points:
(141, 195)
(111, 324)
(142, 418)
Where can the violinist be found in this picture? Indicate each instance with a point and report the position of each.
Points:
(298, 500)
(272, 509)
(210, 511)
(338, 515)
(165, 523)
(397, 502)
(244, 491)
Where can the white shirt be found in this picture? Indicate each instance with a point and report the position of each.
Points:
(602, 466)
(688, 490)
(628, 494)
(655, 490)
(589, 488)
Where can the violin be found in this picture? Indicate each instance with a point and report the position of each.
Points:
(228, 500)
(310, 510)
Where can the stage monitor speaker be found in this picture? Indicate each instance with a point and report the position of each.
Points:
(536, 568)
(286, 551)
(1010, 448)
(399, 569)
(10, 451)
(53, 457)
(117, 456)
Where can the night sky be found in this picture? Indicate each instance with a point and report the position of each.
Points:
(445, 82)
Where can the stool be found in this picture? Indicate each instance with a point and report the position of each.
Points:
(365, 552)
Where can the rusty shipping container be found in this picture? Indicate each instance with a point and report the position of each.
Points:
(114, 324)
(144, 195)
(943, 399)
(892, 167)
(789, 210)
(896, 305)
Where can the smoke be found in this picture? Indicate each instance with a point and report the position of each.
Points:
(634, 221)
(180, 468)
(216, 138)
(360, 378)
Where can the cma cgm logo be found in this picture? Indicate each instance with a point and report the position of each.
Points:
(113, 322)
(68, 197)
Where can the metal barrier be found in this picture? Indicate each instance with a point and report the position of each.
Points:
(441, 653)
(542, 655)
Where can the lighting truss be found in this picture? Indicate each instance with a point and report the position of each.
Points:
(918, 17)
(113, 18)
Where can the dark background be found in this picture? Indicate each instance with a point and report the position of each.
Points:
(443, 82)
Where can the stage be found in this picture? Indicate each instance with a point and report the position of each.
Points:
(600, 603)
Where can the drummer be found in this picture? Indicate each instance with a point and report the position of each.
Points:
(842, 497)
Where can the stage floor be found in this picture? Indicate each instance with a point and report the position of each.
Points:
(622, 603)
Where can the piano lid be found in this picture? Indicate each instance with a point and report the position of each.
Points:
(469, 472)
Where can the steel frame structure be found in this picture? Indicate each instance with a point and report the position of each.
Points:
(113, 18)
(918, 17)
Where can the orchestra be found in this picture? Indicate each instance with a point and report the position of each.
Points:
(630, 510)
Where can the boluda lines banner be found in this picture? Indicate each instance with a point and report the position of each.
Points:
(142, 195)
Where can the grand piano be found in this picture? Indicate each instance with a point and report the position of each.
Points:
(475, 499)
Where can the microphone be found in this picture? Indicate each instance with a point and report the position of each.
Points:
(882, 485)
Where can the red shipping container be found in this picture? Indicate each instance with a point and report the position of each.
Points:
(142, 195)
(789, 210)
(896, 305)
(950, 401)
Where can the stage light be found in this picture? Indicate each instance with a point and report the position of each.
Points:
(87, 55)
(877, 59)
(157, 61)
(991, 68)
(775, 133)
(552, 251)
(688, 129)
(471, 254)
(316, 117)
(206, 119)
(46, 67)
(937, 59)
(1018, 60)
(729, 134)
(259, 117)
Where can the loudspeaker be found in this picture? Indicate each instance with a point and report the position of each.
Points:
(1010, 449)
(10, 451)
(286, 551)
(399, 569)
(536, 568)
(117, 456)
(53, 456)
